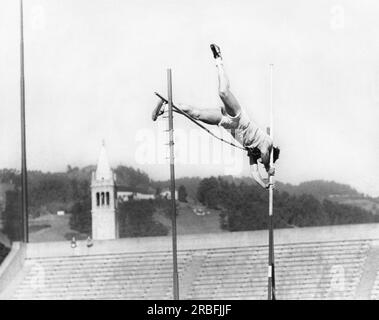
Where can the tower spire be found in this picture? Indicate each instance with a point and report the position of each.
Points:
(103, 170)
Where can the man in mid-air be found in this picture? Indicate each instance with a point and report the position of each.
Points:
(232, 116)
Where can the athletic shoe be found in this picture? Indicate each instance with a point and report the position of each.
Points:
(158, 110)
(216, 51)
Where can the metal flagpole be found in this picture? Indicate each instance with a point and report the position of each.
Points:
(24, 185)
(271, 268)
(173, 200)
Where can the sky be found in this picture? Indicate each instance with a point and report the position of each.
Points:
(92, 66)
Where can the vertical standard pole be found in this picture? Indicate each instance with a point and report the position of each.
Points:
(24, 184)
(271, 269)
(173, 200)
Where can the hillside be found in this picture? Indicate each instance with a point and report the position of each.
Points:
(232, 203)
(366, 203)
(193, 218)
(333, 191)
(52, 228)
(47, 187)
(245, 207)
(320, 189)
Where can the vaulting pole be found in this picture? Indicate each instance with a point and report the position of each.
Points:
(173, 200)
(24, 184)
(271, 265)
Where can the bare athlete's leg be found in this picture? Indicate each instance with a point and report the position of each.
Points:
(231, 104)
(207, 115)
(210, 115)
(232, 107)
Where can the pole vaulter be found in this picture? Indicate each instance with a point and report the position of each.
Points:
(250, 137)
(232, 117)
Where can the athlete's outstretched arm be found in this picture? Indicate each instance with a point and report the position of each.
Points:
(256, 174)
(208, 115)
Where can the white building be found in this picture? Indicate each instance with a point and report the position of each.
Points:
(166, 194)
(103, 196)
(128, 195)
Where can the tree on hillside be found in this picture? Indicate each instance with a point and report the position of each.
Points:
(245, 207)
(182, 194)
(208, 192)
(10, 176)
(47, 187)
(81, 219)
(190, 183)
(12, 216)
(130, 177)
(345, 214)
(158, 191)
(79, 174)
(136, 219)
(320, 189)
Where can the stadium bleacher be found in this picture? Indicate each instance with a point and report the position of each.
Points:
(310, 263)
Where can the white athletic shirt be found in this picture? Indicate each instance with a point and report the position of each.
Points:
(244, 130)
